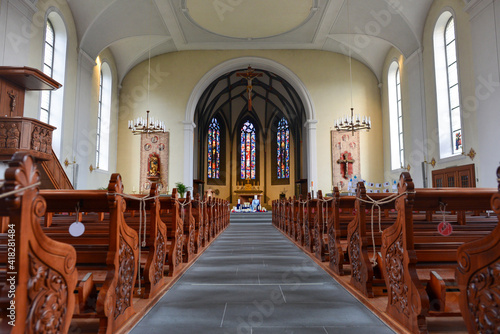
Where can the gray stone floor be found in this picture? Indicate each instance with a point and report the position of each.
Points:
(253, 280)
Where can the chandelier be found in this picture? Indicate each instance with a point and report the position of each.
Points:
(349, 123)
(147, 126)
(141, 125)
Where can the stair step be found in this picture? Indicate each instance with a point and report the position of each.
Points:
(251, 217)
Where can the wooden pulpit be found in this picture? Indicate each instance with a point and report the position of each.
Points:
(18, 133)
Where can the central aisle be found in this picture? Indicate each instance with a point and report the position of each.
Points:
(253, 280)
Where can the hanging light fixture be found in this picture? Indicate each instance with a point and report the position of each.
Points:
(349, 123)
(147, 125)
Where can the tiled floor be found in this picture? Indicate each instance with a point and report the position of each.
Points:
(252, 280)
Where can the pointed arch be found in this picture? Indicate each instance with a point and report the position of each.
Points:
(265, 64)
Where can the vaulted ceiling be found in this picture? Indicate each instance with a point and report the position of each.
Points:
(365, 28)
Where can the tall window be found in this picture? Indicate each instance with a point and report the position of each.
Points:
(447, 86)
(54, 53)
(99, 124)
(283, 149)
(214, 149)
(103, 118)
(395, 116)
(248, 151)
(48, 65)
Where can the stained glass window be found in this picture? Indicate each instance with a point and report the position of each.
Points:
(214, 149)
(283, 151)
(248, 153)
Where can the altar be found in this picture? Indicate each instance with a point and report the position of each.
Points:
(246, 196)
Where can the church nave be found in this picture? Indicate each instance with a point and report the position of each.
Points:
(254, 280)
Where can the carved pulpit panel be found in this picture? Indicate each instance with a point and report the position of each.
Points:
(156, 146)
(345, 157)
(25, 134)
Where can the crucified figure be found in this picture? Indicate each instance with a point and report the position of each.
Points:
(346, 161)
(249, 75)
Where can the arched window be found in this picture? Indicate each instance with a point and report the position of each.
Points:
(395, 116)
(214, 146)
(248, 151)
(48, 65)
(54, 52)
(103, 118)
(447, 87)
(283, 149)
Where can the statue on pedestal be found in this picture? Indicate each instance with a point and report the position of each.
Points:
(153, 166)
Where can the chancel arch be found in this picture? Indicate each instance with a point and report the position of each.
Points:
(305, 124)
(261, 132)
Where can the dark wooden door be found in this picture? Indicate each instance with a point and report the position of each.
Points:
(460, 176)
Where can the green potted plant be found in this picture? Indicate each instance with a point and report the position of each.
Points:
(181, 189)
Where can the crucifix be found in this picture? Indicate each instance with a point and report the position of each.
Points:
(12, 101)
(346, 161)
(249, 75)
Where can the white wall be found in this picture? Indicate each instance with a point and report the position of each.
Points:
(485, 28)
(466, 73)
(324, 75)
(21, 44)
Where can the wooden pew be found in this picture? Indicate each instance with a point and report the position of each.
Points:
(294, 208)
(337, 230)
(359, 240)
(156, 240)
(212, 217)
(170, 215)
(198, 211)
(189, 227)
(406, 263)
(39, 273)
(299, 225)
(325, 219)
(477, 277)
(117, 254)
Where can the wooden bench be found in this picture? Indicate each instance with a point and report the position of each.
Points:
(38, 274)
(342, 207)
(362, 238)
(170, 215)
(414, 291)
(477, 278)
(198, 208)
(156, 247)
(189, 227)
(114, 253)
(325, 219)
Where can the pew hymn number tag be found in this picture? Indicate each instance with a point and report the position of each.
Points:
(77, 228)
(444, 228)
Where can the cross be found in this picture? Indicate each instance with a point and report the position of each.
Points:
(346, 161)
(249, 75)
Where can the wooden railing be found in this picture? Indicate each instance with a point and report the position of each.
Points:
(56, 175)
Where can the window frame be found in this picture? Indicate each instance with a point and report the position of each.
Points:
(45, 110)
(257, 161)
(444, 108)
(275, 180)
(396, 120)
(103, 119)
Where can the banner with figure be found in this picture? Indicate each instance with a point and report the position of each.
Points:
(154, 145)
